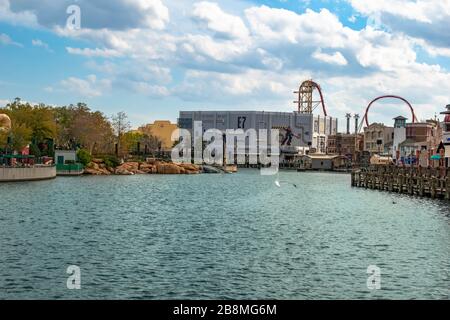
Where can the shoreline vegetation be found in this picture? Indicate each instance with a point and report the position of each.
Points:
(37, 130)
(104, 145)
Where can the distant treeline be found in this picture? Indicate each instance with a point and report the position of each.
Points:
(70, 127)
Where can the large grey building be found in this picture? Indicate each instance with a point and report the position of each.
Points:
(296, 129)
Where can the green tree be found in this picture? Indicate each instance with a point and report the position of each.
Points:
(84, 156)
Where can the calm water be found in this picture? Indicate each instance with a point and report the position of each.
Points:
(220, 237)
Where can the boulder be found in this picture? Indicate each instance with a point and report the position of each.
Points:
(92, 172)
(98, 161)
(104, 172)
(168, 168)
(128, 166)
(123, 172)
(189, 167)
(93, 166)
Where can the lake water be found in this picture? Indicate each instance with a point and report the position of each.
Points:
(220, 237)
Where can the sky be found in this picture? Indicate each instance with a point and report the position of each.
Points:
(154, 58)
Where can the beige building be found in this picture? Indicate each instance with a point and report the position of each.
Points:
(163, 131)
(378, 138)
(349, 145)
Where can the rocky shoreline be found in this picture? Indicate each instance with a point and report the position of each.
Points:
(98, 168)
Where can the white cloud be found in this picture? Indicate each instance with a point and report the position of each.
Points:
(25, 17)
(149, 89)
(335, 58)
(42, 44)
(217, 20)
(417, 10)
(425, 19)
(225, 55)
(7, 41)
(90, 87)
(97, 52)
(114, 15)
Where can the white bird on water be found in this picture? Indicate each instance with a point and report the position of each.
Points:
(278, 183)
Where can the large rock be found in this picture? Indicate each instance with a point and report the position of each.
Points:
(92, 172)
(98, 161)
(93, 166)
(130, 167)
(189, 167)
(169, 168)
(123, 172)
(104, 172)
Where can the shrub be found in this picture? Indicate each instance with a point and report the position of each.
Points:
(84, 156)
(111, 161)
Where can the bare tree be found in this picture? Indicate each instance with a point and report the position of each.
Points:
(121, 125)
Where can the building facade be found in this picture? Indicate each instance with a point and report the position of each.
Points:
(446, 136)
(378, 138)
(163, 131)
(399, 136)
(421, 138)
(297, 130)
(348, 145)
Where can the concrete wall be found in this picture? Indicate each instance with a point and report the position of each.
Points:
(27, 174)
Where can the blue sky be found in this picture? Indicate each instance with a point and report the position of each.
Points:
(153, 58)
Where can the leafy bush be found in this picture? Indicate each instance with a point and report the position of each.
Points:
(111, 161)
(84, 156)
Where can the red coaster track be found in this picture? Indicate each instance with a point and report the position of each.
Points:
(366, 115)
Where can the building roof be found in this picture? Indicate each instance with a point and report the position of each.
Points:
(422, 124)
(400, 118)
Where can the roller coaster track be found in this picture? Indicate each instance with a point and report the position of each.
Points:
(366, 115)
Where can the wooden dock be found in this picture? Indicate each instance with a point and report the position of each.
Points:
(422, 182)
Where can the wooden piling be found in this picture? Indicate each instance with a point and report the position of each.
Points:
(422, 182)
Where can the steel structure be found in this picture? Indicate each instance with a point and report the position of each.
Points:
(306, 103)
(366, 114)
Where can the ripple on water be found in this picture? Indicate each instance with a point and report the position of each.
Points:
(220, 237)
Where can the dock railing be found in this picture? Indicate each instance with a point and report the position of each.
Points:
(419, 181)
